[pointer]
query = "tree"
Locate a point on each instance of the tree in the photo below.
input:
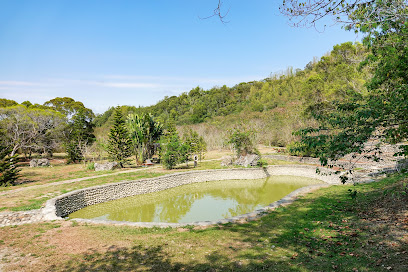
(8, 167)
(7, 103)
(154, 130)
(30, 128)
(173, 150)
(69, 107)
(119, 144)
(26, 103)
(79, 136)
(361, 123)
(242, 142)
(353, 13)
(136, 130)
(144, 131)
(195, 143)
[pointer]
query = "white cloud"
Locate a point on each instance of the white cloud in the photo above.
(18, 83)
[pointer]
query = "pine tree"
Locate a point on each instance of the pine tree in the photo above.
(8, 168)
(119, 144)
(80, 135)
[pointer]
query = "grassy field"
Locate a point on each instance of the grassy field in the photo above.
(331, 229)
(40, 184)
(34, 195)
(326, 230)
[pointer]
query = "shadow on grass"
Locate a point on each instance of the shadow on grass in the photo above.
(328, 232)
(154, 258)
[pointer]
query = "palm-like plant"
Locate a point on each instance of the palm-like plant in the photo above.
(144, 132)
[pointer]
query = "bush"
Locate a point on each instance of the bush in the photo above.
(242, 141)
(174, 152)
(262, 163)
(300, 149)
(90, 166)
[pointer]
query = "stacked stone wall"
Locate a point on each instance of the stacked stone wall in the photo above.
(65, 204)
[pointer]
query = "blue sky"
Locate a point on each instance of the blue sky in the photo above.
(116, 52)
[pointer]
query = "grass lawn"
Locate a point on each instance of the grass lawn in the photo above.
(326, 230)
(29, 196)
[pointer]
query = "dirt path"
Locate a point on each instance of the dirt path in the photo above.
(81, 179)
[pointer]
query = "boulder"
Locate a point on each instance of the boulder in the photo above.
(226, 161)
(402, 165)
(105, 166)
(39, 162)
(248, 160)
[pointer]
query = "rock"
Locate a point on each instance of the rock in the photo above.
(402, 165)
(226, 161)
(39, 162)
(248, 160)
(105, 166)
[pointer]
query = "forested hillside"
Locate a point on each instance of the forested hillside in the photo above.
(273, 107)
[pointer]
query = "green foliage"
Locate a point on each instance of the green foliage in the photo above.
(7, 103)
(106, 118)
(8, 167)
(379, 116)
(299, 149)
(173, 150)
(242, 142)
(69, 107)
(79, 136)
(352, 193)
(119, 144)
(262, 163)
(44, 128)
(143, 132)
(195, 143)
(30, 129)
(90, 166)
(397, 192)
(272, 106)
(27, 104)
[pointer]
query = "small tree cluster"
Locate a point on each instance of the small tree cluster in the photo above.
(30, 129)
(61, 123)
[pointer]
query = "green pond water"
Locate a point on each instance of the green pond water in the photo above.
(203, 201)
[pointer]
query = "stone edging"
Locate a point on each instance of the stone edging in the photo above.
(288, 199)
(61, 206)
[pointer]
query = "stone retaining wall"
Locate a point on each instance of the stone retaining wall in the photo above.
(63, 205)
(19, 218)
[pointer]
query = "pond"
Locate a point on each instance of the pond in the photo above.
(204, 201)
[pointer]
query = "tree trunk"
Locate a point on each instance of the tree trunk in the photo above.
(13, 152)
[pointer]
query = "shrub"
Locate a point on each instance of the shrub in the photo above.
(262, 163)
(90, 166)
(242, 141)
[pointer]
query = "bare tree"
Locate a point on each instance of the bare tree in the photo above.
(355, 14)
